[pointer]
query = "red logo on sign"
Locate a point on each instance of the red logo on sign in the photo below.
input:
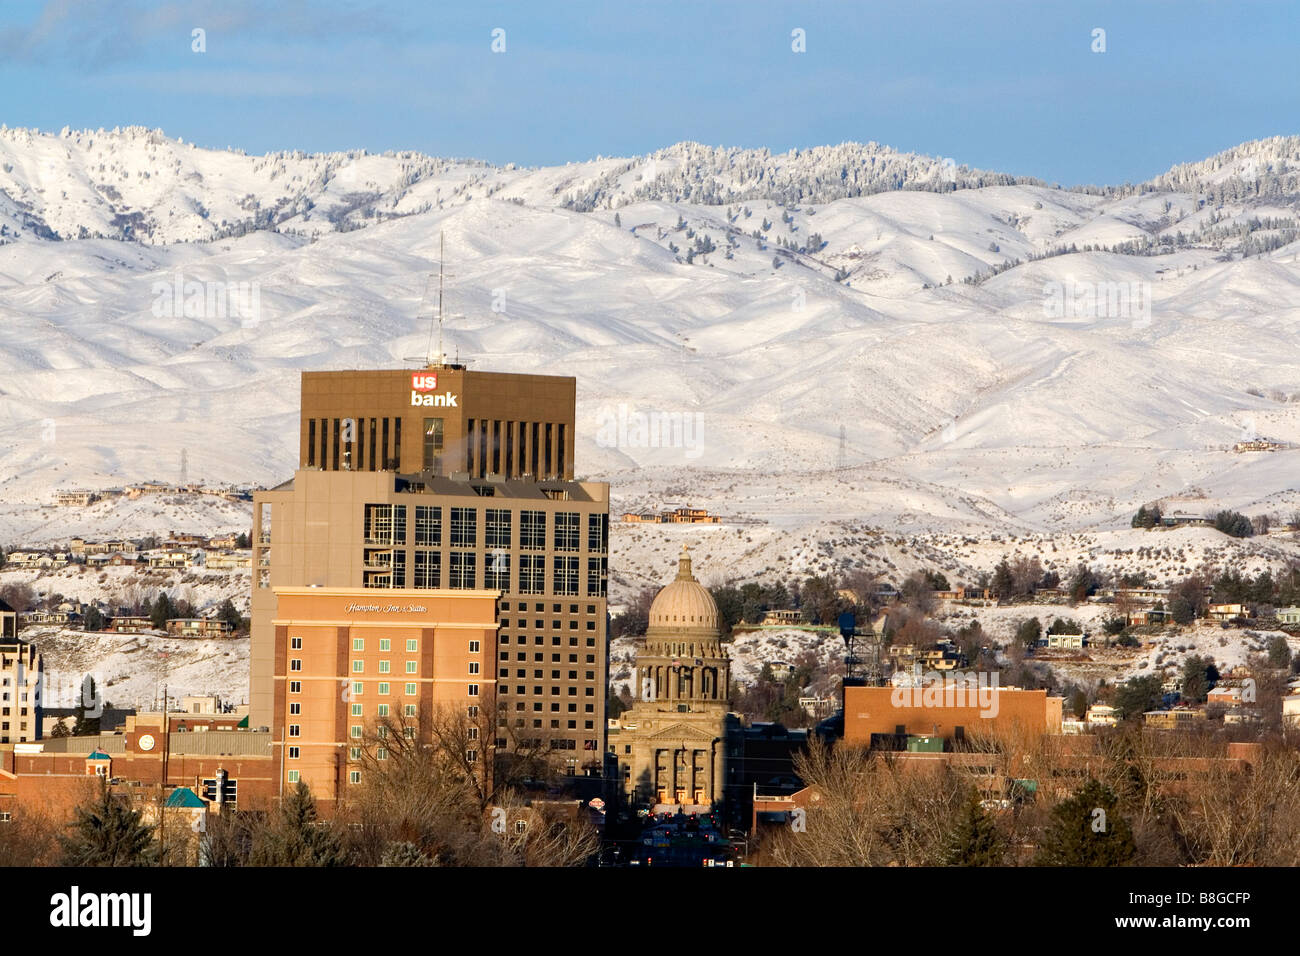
(424, 381)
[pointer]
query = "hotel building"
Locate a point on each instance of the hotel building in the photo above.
(449, 490)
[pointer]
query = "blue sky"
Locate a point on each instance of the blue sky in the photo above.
(1012, 86)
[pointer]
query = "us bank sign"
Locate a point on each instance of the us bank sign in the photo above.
(423, 386)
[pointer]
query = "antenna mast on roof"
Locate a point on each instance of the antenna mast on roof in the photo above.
(429, 354)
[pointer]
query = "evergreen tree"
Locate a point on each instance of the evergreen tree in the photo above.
(1138, 695)
(1088, 830)
(298, 839)
(230, 614)
(161, 610)
(107, 832)
(1004, 583)
(1279, 654)
(974, 839)
(93, 620)
(89, 699)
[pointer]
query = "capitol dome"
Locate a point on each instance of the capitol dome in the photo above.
(685, 604)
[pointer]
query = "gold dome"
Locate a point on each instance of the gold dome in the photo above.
(684, 604)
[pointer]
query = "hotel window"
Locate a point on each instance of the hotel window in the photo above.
(474, 647)
(566, 531)
(295, 753)
(356, 731)
(473, 690)
(412, 645)
(428, 569)
(473, 667)
(381, 732)
(566, 575)
(358, 643)
(473, 709)
(410, 690)
(311, 443)
(532, 572)
(293, 776)
(428, 525)
(408, 710)
(295, 665)
(381, 753)
(385, 644)
(295, 687)
(354, 776)
(358, 667)
(472, 733)
(357, 687)
(384, 667)
(597, 532)
(295, 643)
(463, 570)
(379, 524)
(294, 730)
(356, 710)
(496, 571)
(547, 469)
(354, 753)
(596, 577)
(383, 710)
(433, 445)
(295, 709)
(471, 756)
(383, 689)
(532, 530)
(399, 568)
(497, 528)
(408, 733)
(464, 527)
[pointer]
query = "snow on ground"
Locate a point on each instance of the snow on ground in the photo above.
(131, 669)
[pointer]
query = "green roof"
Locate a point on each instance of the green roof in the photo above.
(243, 724)
(98, 755)
(184, 797)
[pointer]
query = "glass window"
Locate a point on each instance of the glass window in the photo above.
(356, 710)
(412, 644)
(410, 667)
(532, 572)
(410, 690)
(566, 575)
(358, 643)
(598, 532)
(428, 569)
(383, 689)
(532, 530)
(433, 445)
(496, 574)
(497, 531)
(566, 531)
(385, 644)
(384, 667)
(596, 580)
(463, 570)
(464, 528)
(428, 525)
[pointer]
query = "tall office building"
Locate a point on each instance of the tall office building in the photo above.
(416, 482)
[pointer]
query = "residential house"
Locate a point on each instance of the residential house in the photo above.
(1227, 612)
(198, 627)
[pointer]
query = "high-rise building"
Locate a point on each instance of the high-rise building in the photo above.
(439, 483)
(21, 672)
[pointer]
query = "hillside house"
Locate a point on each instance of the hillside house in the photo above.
(198, 627)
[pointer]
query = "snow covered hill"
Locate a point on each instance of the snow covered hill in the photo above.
(1001, 354)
